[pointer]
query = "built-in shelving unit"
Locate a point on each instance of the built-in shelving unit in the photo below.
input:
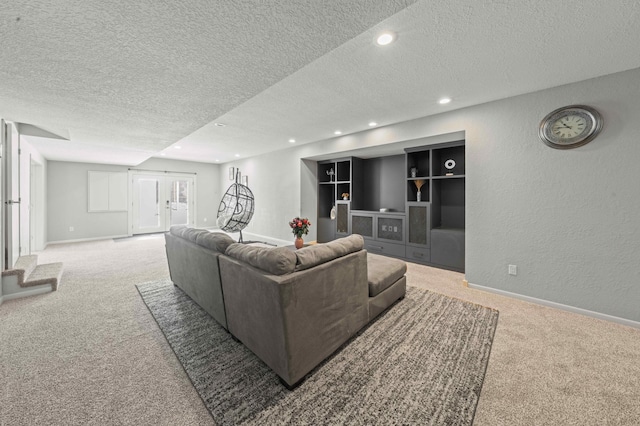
(435, 224)
(386, 208)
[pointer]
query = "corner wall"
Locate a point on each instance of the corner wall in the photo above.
(566, 218)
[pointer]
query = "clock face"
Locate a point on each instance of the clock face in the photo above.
(570, 127)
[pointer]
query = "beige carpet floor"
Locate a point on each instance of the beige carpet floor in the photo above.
(91, 353)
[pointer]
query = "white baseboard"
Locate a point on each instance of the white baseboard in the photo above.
(81, 240)
(560, 306)
(26, 293)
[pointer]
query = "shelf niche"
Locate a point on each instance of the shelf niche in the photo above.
(412, 190)
(440, 156)
(382, 185)
(420, 161)
(448, 204)
(323, 168)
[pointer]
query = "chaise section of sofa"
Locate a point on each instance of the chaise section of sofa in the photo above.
(387, 282)
(294, 309)
(193, 256)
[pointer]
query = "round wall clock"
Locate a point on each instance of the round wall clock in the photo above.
(570, 127)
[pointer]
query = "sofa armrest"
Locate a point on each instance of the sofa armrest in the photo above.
(195, 270)
(293, 322)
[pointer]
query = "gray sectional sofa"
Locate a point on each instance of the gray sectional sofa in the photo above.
(292, 308)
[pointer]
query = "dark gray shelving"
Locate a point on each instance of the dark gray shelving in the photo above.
(429, 231)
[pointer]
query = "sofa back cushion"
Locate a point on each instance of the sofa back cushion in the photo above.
(177, 230)
(185, 232)
(310, 256)
(276, 261)
(214, 241)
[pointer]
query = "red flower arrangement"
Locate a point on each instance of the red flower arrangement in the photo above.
(300, 227)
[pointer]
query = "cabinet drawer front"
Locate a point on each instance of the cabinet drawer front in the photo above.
(419, 254)
(379, 247)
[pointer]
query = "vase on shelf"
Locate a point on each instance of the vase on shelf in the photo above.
(299, 242)
(345, 198)
(418, 183)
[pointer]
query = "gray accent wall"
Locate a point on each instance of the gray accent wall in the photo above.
(67, 198)
(567, 218)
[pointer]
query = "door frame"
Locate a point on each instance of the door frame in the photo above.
(166, 173)
(11, 225)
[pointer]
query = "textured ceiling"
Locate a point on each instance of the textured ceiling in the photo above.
(133, 79)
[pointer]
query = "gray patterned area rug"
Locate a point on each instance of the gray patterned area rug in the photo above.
(421, 362)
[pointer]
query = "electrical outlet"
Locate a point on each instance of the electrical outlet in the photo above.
(513, 270)
(71, 229)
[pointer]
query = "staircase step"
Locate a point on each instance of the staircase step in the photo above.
(27, 263)
(47, 273)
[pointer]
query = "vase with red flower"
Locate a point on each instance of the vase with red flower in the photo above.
(299, 227)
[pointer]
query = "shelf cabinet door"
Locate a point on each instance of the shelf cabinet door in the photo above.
(342, 218)
(362, 223)
(390, 228)
(447, 248)
(419, 215)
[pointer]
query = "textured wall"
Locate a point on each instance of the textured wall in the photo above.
(67, 201)
(68, 192)
(567, 219)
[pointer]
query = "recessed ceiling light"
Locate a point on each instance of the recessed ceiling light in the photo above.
(372, 123)
(163, 153)
(219, 124)
(337, 132)
(385, 38)
(444, 101)
(292, 141)
(177, 147)
(217, 160)
(237, 155)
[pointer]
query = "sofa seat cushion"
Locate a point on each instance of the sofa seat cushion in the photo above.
(313, 255)
(276, 261)
(214, 241)
(382, 272)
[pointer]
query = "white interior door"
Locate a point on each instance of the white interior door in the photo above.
(160, 201)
